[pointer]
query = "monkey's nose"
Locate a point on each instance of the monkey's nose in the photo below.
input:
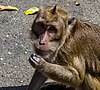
(41, 43)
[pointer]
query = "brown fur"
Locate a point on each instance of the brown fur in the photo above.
(84, 41)
(77, 55)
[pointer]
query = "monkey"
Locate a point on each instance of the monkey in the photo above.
(67, 49)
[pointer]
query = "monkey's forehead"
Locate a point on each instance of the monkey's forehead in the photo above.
(59, 10)
(46, 13)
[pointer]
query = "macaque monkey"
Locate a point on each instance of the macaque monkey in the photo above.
(67, 50)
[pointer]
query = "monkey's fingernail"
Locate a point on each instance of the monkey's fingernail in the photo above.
(37, 59)
(34, 54)
(34, 58)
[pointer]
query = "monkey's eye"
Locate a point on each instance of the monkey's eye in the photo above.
(39, 28)
(51, 29)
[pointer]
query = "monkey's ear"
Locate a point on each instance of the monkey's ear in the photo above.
(53, 11)
(71, 23)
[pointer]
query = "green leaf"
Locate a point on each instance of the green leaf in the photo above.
(32, 10)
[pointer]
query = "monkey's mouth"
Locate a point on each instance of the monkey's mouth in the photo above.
(42, 51)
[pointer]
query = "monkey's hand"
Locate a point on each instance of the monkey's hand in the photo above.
(36, 61)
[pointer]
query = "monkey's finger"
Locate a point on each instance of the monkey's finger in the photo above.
(36, 58)
(32, 62)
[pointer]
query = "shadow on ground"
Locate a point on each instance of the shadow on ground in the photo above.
(14, 88)
(47, 86)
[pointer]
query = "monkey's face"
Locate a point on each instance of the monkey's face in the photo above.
(48, 30)
(47, 37)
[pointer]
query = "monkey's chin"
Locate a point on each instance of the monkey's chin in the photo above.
(44, 53)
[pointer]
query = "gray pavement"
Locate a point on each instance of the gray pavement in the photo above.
(15, 45)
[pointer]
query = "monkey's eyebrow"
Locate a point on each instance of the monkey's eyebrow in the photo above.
(52, 28)
(49, 26)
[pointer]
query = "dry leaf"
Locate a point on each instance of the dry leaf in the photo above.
(77, 3)
(32, 10)
(8, 8)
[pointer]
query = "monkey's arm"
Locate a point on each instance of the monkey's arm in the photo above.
(72, 75)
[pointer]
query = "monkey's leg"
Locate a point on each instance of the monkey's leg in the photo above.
(37, 81)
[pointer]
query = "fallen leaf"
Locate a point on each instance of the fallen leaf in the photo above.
(77, 3)
(32, 10)
(7, 8)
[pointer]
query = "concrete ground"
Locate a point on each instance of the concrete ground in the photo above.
(15, 45)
